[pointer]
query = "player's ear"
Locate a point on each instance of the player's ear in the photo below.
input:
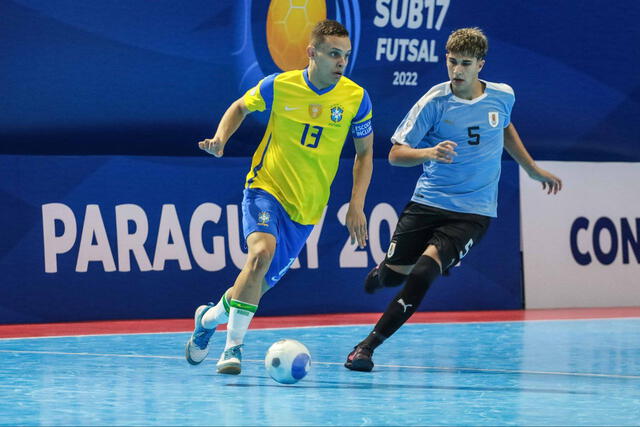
(311, 51)
(480, 64)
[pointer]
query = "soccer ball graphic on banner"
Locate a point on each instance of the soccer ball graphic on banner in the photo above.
(287, 361)
(289, 24)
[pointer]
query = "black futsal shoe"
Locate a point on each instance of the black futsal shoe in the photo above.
(360, 359)
(372, 282)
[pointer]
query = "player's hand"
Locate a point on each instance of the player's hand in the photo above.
(550, 182)
(356, 223)
(212, 146)
(444, 152)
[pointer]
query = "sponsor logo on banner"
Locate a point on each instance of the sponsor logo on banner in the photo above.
(605, 240)
(578, 254)
(288, 31)
(408, 33)
(118, 244)
(281, 31)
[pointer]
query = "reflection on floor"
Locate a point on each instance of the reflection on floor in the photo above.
(532, 372)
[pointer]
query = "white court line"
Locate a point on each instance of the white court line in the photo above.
(328, 326)
(63, 353)
(426, 368)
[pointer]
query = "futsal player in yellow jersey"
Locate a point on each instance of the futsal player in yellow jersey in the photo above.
(312, 112)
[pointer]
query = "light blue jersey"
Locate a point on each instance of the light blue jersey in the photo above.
(470, 183)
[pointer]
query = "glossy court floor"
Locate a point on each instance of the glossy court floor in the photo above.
(562, 371)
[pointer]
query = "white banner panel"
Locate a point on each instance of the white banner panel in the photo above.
(582, 246)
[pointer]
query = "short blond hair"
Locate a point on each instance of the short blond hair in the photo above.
(468, 41)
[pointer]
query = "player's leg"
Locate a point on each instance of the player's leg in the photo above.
(406, 302)
(411, 236)
(450, 241)
(271, 253)
(408, 242)
(206, 319)
(258, 209)
(399, 310)
(219, 314)
(386, 275)
(245, 296)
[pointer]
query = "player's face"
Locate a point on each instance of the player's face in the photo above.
(329, 60)
(463, 72)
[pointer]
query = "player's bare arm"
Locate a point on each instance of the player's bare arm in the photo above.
(230, 122)
(406, 156)
(356, 220)
(514, 146)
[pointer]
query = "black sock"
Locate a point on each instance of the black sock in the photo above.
(406, 302)
(389, 278)
(373, 340)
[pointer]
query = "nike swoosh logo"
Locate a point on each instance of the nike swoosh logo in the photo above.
(287, 108)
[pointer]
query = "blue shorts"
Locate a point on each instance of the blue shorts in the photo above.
(262, 212)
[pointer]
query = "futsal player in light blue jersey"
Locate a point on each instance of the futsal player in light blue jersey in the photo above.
(457, 131)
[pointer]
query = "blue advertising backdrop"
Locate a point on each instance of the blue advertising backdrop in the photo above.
(169, 203)
(150, 78)
(102, 103)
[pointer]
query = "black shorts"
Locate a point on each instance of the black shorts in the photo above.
(419, 226)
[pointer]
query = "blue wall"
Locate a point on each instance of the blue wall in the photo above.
(150, 78)
(490, 278)
(120, 91)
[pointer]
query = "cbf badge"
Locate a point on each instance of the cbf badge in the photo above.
(264, 218)
(336, 113)
(315, 110)
(493, 118)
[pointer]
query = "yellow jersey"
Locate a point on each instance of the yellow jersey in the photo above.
(299, 154)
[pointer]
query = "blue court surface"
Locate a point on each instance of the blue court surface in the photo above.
(559, 372)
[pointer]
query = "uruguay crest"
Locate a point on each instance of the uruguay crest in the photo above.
(264, 218)
(315, 110)
(336, 113)
(493, 118)
(391, 250)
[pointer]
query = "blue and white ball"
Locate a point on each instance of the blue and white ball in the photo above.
(287, 361)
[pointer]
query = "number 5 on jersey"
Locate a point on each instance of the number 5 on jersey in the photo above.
(313, 136)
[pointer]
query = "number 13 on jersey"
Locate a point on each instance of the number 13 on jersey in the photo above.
(311, 134)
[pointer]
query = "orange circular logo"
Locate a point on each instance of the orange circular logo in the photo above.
(289, 25)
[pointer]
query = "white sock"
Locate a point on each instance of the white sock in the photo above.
(240, 317)
(218, 314)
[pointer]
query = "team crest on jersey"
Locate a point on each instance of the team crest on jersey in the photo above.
(336, 113)
(315, 110)
(391, 250)
(264, 218)
(493, 118)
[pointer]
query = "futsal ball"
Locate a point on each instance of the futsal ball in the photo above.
(289, 25)
(287, 361)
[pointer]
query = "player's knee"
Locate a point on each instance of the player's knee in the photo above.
(420, 279)
(426, 268)
(259, 259)
(389, 278)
